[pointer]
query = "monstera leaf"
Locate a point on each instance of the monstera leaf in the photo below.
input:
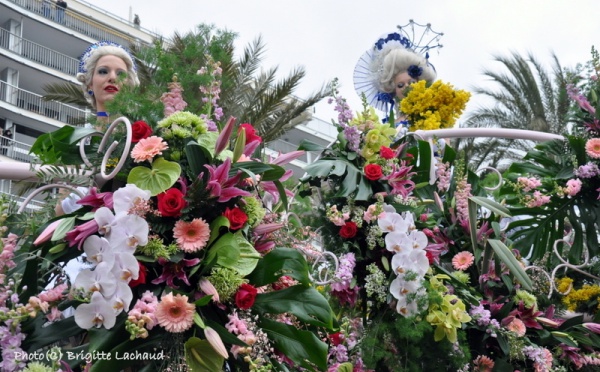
(352, 181)
(537, 229)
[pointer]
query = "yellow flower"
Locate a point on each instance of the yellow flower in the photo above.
(433, 107)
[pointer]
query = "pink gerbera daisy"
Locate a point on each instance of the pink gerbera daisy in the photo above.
(517, 327)
(483, 364)
(175, 313)
(462, 260)
(148, 148)
(191, 236)
(592, 148)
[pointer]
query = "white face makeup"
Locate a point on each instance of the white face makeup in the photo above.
(401, 82)
(108, 77)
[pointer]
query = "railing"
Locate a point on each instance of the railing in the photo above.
(35, 103)
(75, 21)
(38, 53)
(31, 207)
(285, 147)
(15, 150)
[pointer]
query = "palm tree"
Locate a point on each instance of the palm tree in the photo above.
(528, 98)
(248, 93)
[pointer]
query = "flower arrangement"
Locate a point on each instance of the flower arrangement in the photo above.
(436, 263)
(433, 106)
(171, 263)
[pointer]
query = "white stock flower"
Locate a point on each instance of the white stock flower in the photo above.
(97, 313)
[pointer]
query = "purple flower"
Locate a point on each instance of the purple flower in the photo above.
(221, 185)
(81, 232)
(172, 271)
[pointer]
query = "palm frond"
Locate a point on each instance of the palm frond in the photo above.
(66, 93)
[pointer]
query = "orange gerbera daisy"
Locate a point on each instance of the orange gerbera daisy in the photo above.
(175, 313)
(191, 236)
(148, 148)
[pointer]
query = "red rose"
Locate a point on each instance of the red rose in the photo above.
(245, 296)
(348, 230)
(386, 153)
(141, 276)
(237, 218)
(250, 133)
(373, 172)
(140, 131)
(171, 202)
(336, 338)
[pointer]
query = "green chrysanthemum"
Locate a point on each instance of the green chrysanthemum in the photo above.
(254, 210)
(226, 282)
(182, 124)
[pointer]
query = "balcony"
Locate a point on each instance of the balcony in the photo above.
(34, 103)
(15, 150)
(76, 21)
(38, 53)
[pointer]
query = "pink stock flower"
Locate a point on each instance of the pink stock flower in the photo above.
(175, 313)
(148, 148)
(191, 236)
(173, 100)
(462, 260)
(573, 187)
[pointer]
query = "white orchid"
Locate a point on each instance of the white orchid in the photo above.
(126, 267)
(97, 249)
(122, 298)
(415, 261)
(97, 313)
(100, 279)
(391, 221)
(127, 197)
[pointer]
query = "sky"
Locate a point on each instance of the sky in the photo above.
(327, 37)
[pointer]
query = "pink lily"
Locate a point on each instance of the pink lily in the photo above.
(81, 232)
(97, 200)
(172, 271)
(209, 289)
(400, 181)
(220, 185)
(215, 341)
(224, 136)
(283, 159)
(47, 233)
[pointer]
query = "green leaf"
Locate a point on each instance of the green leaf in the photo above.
(197, 157)
(238, 148)
(307, 145)
(511, 262)
(215, 227)
(306, 303)
(277, 263)
(161, 177)
(233, 251)
(201, 357)
(65, 225)
(57, 147)
(493, 206)
(303, 347)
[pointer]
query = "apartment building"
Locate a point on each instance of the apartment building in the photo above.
(40, 43)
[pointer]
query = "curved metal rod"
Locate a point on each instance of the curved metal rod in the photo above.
(82, 150)
(564, 265)
(324, 277)
(111, 148)
(46, 187)
(500, 179)
(489, 132)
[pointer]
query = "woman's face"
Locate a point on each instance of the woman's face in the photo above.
(108, 77)
(401, 82)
